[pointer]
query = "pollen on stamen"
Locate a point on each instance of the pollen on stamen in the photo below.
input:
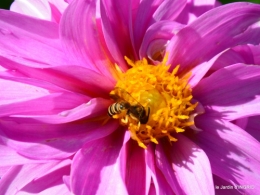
(160, 101)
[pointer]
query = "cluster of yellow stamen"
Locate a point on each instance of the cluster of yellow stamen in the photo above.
(165, 95)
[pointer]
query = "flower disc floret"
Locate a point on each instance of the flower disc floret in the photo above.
(160, 95)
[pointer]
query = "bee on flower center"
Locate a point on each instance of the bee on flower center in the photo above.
(126, 105)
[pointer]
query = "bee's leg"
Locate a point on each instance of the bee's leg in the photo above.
(139, 124)
(116, 116)
(125, 119)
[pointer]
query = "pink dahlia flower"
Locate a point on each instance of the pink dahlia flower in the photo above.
(181, 88)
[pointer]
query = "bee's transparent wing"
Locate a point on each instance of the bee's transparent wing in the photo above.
(124, 95)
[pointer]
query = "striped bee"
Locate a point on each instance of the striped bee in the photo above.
(135, 110)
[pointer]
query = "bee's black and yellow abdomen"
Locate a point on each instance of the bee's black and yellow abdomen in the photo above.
(117, 108)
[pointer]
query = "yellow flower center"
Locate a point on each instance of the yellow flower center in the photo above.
(152, 102)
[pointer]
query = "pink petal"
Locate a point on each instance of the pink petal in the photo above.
(238, 54)
(246, 53)
(19, 98)
(95, 168)
(30, 41)
(252, 127)
(185, 166)
(50, 10)
(169, 10)
(57, 9)
(223, 92)
(68, 1)
(242, 123)
(135, 168)
(34, 8)
(233, 153)
(4, 170)
(199, 71)
(66, 180)
(9, 157)
(160, 31)
(51, 183)
(11, 92)
(256, 53)
(42, 175)
(222, 185)
(94, 108)
(149, 12)
(232, 56)
(12, 75)
(72, 78)
(205, 4)
(161, 185)
(116, 29)
(220, 28)
(152, 190)
(81, 38)
(38, 140)
(57, 189)
(195, 8)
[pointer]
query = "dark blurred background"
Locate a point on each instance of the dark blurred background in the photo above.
(5, 4)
